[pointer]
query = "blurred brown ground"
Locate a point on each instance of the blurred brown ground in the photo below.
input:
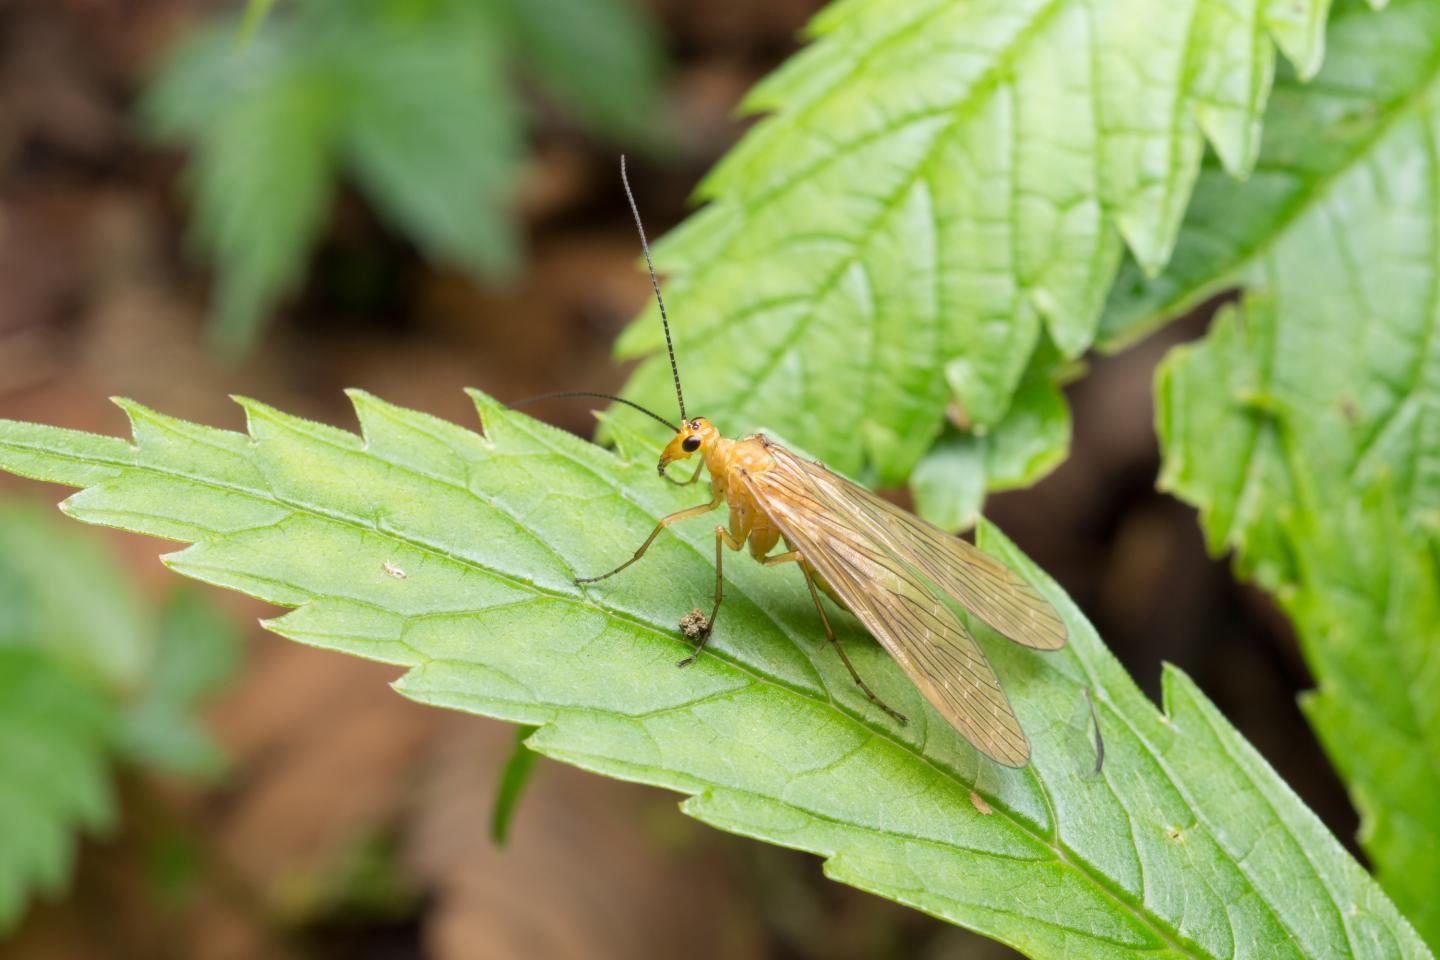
(355, 823)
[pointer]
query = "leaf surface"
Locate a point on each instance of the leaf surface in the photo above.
(939, 190)
(454, 555)
(1306, 426)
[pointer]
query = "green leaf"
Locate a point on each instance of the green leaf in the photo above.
(264, 120)
(431, 130)
(519, 767)
(1360, 114)
(54, 748)
(85, 674)
(940, 186)
(1278, 469)
(63, 595)
(600, 56)
(1306, 426)
(1187, 845)
(409, 96)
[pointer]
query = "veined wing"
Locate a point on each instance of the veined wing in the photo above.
(894, 602)
(971, 577)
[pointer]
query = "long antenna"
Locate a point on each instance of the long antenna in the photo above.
(591, 393)
(665, 321)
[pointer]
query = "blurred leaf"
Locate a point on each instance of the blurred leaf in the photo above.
(62, 593)
(513, 779)
(602, 57)
(196, 654)
(264, 119)
(432, 132)
(939, 186)
(255, 13)
(54, 729)
(1306, 426)
(411, 96)
(84, 673)
(1187, 845)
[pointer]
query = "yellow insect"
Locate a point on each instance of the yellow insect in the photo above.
(896, 573)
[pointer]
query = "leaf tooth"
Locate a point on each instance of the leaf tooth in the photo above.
(492, 414)
(1299, 31)
(261, 417)
(402, 436)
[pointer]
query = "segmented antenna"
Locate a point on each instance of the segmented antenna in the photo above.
(665, 321)
(591, 393)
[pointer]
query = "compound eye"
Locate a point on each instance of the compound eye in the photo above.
(690, 444)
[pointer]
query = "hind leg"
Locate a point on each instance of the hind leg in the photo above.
(794, 556)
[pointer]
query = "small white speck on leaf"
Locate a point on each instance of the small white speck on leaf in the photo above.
(394, 571)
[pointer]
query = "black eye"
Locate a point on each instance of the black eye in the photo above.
(690, 444)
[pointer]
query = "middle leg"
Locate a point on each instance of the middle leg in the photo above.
(723, 538)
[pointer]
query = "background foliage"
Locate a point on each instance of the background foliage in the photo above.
(88, 678)
(412, 99)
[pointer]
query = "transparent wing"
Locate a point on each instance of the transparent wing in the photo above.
(972, 578)
(833, 532)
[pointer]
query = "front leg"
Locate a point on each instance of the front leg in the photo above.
(685, 483)
(715, 501)
(723, 538)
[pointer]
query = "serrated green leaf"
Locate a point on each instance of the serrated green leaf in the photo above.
(939, 185)
(1257, 429)
(72, 644)
(1362, 113)
(1306, 426)
(1187, 845)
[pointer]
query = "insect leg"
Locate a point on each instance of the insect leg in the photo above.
(830, 634)
(723, 539)
(682, 515)
(693, 477)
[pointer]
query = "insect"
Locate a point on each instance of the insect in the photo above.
(896, 573)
